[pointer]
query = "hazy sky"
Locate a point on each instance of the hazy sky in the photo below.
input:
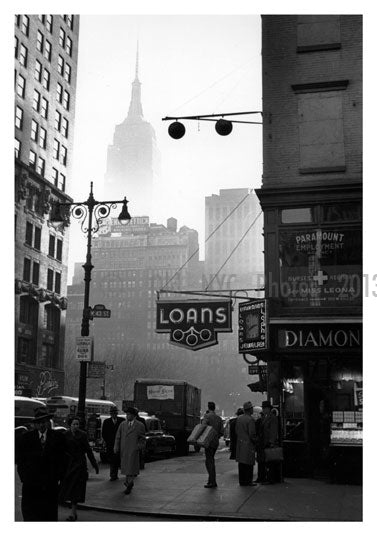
(188, 65)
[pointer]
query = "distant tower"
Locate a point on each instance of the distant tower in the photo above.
(133, 158)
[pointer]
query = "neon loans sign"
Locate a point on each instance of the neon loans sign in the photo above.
(194, 324)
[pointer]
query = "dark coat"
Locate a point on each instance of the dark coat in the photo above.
(211, 419)
(73, 487)
(109, 430)
(232, 437)
(246, 439)
(40, 470)
(269, 432)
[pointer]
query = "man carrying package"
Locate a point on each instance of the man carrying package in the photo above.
(214, 421)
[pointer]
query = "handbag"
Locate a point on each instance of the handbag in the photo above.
(273, 454)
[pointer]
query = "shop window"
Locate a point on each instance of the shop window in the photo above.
(342, 212)
(293, 404)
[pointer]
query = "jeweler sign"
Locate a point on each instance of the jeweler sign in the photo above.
(84, 348)
(194, 324)
(252, 326)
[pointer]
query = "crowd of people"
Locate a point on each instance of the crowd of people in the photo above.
(53, 465)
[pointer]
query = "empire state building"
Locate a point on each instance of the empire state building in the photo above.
(133, 158)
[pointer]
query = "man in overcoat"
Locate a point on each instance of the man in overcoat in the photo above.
(40, 465)
(269, 437)
(109, 429)
(129, 439)
(211, 419)
(246, 442)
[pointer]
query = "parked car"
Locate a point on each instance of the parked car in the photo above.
(158, 441)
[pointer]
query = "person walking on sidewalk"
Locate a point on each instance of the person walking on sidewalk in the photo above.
(129, 439)
(211, 419)
(40, 465)
(269, 437)
(246, 442)
(73, 487)
(109, 429)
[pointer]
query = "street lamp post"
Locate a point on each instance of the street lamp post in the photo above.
(91, 213)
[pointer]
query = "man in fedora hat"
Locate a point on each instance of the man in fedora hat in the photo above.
(129, 439)
(40, 465)
(109, 429)
(245, 449)
(269, 437)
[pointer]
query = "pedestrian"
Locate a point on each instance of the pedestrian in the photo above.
(233, 435)
(269, 438)
(73, 487)
(109, 430)
(142, 450)
(246, 442)
(129, 439)
(211, 419)
(40, 465)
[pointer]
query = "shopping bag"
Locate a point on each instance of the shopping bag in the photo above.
(206, 437)
(197, 431)
(273, 454)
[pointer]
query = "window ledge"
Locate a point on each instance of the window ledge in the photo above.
(324, 169)
(315, 87)
(318, 48)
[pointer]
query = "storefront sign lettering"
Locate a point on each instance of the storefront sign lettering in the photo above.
(47, 383)
(320, 338)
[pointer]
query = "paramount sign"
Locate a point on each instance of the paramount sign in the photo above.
(194, 324)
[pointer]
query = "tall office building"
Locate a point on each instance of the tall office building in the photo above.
(46, 50)
(312, 199)
(133, 160)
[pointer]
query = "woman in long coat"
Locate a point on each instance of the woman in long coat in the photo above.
(73, 486)
(245, 449)
(129, 440)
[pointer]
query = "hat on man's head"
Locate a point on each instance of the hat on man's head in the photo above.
(41, 414)
(239, 411)
(131, 410)
(248, 405)
(113, 409)
(266, 404)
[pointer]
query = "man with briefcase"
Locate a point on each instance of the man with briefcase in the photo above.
(270, 460)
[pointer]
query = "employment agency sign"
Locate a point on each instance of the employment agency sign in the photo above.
(194, 324)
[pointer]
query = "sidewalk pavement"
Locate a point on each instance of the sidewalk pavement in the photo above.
(173, 488)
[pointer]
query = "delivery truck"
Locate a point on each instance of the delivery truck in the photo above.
(176, 403)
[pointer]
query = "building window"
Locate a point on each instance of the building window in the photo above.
(60, 65)
(318, 32)
(55, 176)
(46, 79)
(67, 73)
(49, 22)
(38, 71)
(61, 184)
(17, 148)
(297, 215)
(23, 55)
(51, 246)
(58, 120)
(44, 108)
(50, 279)
(42, 137)
(47, 50)
(41, 166)
(32, 159)
(65, 125)
(62, 37)
(56, 149)
(34, 130)
(66, 100)
(37, 237)
(46, 359)
(29, 234)
(36, 100)
(68, 46)
(35, 273)
(69, 20)
(25, 25)
(63, 155)
(39, 41)
(58, 278)
(19, 117)
(27, 269)
(42, 18)
(59, 93)
(59, 249)
(17, 19)
(15, 47)
(21, 84)
(52, 318)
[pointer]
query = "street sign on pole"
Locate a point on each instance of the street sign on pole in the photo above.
(84, 348)
(97, 369)
(100, 311)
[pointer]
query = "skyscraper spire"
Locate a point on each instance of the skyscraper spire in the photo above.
(136, 110)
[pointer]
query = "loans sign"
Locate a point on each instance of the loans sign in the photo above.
(194, 324)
